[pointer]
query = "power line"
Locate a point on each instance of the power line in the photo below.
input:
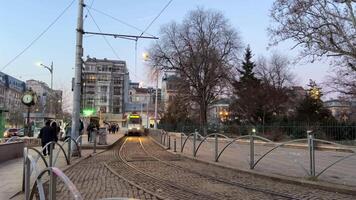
(120, 21)
(106, 40)
(38, 37)
(159, 14)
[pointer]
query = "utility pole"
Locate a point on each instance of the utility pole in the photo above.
(78, 76)
(156, 99)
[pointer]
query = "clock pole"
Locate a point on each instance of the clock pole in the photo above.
(28, 122)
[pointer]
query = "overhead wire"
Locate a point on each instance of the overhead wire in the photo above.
(38, 37)
(107, 42)
(159, 14)
(120, 21)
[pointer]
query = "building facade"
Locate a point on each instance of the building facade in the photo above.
(105, 87)
(169, 89)
(49, 103)
(342, 110)
(11, 107)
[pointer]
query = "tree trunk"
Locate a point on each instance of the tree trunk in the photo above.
(203, 118)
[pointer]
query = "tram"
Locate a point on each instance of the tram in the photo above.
(134, 125)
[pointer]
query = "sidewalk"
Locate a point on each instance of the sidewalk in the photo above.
(11, 171)
(288, 162)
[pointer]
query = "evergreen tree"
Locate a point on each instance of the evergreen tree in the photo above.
(311, 109)
(246, 72)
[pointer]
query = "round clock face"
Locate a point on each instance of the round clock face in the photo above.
(27, 98)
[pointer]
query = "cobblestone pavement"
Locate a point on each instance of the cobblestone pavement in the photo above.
(141, 169)
(233, 177)
(95, 181)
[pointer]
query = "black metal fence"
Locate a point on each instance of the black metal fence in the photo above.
(344, 133)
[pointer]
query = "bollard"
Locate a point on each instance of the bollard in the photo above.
(169, 142)
(194, 140)
(94, 135)
(174, 145)
(216, 147)
(311, 148)
(252, 151)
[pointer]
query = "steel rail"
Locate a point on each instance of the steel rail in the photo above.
(181, 188)
(217, 179)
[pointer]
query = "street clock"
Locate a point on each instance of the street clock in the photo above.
(28, 98)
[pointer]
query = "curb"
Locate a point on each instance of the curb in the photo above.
(297, 181)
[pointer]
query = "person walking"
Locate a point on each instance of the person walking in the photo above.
(56, 131)
(90, 129)
(46, 135)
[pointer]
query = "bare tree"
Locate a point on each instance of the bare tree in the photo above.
(201, 51)
(343, 81)
(321, 27)
(275, 71)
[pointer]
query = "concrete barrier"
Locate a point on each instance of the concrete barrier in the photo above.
(11, 151)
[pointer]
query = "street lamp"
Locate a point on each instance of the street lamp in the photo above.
(146, 57)
(50, 69)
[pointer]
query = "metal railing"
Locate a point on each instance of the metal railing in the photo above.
(30, 165)
(250, 139)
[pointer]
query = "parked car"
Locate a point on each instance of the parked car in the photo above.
(11, 132)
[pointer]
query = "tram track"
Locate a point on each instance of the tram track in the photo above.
(234, 183)
(156, 184)
(182, 190)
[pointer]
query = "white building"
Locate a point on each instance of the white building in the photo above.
(105, 88)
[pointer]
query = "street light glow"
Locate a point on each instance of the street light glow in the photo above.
(145, 56)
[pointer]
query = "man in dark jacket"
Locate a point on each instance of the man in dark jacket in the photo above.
(46, 135)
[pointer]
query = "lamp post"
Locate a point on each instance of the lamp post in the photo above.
(50, 69)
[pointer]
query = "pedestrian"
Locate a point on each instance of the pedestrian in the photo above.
(90, 129)
(46, 135)
(56, 130)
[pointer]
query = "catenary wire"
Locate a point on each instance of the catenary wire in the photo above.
(107, 42)
(120, 21)
(159, 14)
(38, 37)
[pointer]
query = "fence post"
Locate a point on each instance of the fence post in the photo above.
(27, 177)
(69, 148)
(94, 135)
(51, 155)
(252, 149)
(311, 148)
(52, 185)
(181, 142)
(194, 140)
(174, 145)
(169, 141)
(216, 147)
(24, 168)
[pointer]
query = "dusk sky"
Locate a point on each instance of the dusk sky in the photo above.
(23, 20)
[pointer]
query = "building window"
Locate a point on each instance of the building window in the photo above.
(103, 99)
(117, 90)
(104, 88)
